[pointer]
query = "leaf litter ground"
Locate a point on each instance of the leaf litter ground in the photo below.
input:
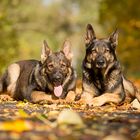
(71, 121)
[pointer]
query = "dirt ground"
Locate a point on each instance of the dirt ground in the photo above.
(68, 121)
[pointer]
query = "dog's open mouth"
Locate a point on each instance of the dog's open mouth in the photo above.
(58, 90)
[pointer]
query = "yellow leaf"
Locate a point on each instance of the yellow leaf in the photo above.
(21, 104)
(16, 126)
(22, 113)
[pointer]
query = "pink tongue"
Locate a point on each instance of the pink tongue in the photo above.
(58, 91)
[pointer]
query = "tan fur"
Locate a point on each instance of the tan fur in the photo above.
(129, 88)
(38, 96)
(87, 94)
(89, 89)
(68, 76)
(87, 97)
(13, 72)
(106, 98)
(42, 97)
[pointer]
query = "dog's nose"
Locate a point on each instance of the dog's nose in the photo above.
(57, 78)
(100, 62)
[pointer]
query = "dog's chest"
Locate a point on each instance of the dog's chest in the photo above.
(100, 81)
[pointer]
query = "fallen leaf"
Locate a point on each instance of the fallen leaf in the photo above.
(69, 117)
(22, 113)
(16, 126)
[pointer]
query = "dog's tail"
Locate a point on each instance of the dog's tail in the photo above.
(3, 82)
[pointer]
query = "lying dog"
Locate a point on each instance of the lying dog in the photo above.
(102, 74)
(53, 74)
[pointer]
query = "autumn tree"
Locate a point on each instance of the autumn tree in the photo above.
(8, 34)
(24, 24)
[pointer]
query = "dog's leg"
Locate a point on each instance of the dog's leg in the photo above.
(106, 98)
(70, 96)
(39, 96)
(13, 75)
(117, 96)
(88, 92)
(85, 97)
(43, 98)
(129, 87)
(9, 79)
(130, 90)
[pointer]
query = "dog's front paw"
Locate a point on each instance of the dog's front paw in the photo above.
(85, 98)
(96, 102)
(70, 96)
(45, 102)
(5, 97)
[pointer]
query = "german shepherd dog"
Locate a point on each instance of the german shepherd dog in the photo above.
(53, 74)
(102, 75)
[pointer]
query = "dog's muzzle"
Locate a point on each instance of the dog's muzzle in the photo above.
(100, 62)
(57, 79)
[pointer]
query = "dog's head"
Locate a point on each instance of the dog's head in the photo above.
(100, 52)
(56, 65)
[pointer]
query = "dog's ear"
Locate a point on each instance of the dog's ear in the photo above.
(45, 51)
(67, 49)
(113, 38)
(90, 34)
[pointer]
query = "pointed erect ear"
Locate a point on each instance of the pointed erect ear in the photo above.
(66, 49)
(90, 34)
(114, 38)
(45, 51)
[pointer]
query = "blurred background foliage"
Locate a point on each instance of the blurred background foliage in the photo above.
(24, 24)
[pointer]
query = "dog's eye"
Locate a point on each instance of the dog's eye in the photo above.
(107, 50)
(63, 66)
(50, 66)
(93, 51)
